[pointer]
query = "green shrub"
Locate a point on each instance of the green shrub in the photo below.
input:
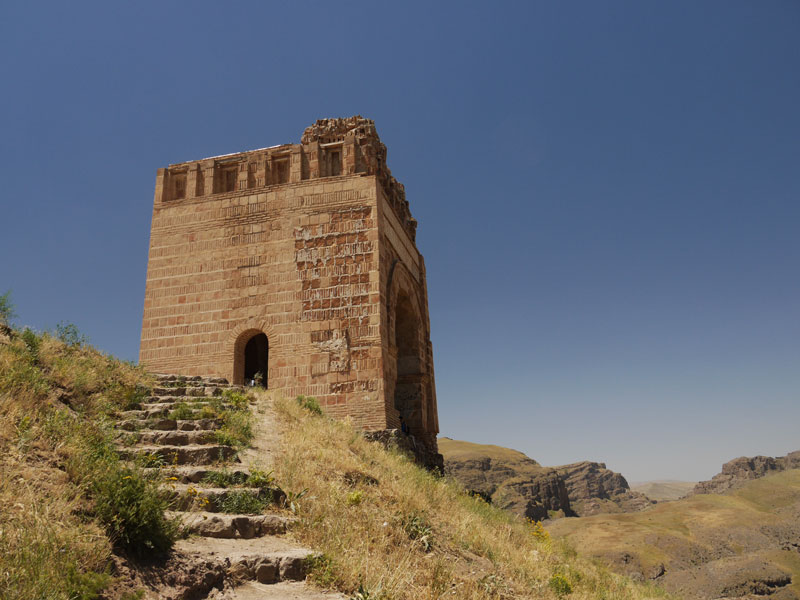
(321, 569)
(181, 412)
(69, 334)
(224, 479)
(236, 430)
(260, 479)
(132, 510)
(244, 502)
(237, 400)
(560, 585)
(126, 397)
(310, 403)
(85, 585)
(418, 529)
(32, 341)
(7, 313)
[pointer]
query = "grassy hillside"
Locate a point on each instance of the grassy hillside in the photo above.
(395, 531)
(386, 528)
(706, 545)
(67, 500)
(461, 450)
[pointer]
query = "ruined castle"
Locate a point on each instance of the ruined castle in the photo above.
(295, 266)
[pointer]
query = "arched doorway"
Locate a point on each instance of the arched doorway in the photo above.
(251, 358)
(408, 390)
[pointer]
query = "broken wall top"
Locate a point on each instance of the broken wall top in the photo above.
(338, 147)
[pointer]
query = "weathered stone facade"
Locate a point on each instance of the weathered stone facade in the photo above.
(296, 262)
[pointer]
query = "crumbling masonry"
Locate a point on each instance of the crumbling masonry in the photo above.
(296, 265)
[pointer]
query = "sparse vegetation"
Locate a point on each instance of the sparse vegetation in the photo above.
(310, 403)
(245, 502)
(7, 313)
(395, 531)
(256, 478)
(68, 497)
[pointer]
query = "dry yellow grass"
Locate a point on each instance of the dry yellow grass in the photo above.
(53, 397)
(393, 531)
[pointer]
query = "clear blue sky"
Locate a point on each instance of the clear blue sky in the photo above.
(607, 193)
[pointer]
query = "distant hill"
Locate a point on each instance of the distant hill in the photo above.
(741, 544)
(739, 471)
(664, 490)
(514, 481)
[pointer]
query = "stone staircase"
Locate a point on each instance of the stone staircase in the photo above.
(174, 434)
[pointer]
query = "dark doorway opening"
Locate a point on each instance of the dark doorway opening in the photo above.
(408, 390)
(256, 359)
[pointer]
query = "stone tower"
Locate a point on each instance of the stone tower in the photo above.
(296, 264)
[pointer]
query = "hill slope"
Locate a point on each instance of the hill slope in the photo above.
(666, 490)
(740, 545)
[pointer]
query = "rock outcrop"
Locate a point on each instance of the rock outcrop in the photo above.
(739, 471)
(594, 489)
(518, 483)
(507, 478)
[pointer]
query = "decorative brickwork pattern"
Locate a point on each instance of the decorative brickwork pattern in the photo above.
(311, 245)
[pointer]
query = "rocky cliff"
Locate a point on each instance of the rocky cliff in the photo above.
(512, 480)
(506, 478)
(594, 489)
(739, 471)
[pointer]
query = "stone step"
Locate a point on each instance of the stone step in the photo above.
(166, 424)
(218, 525)
(210, 499)
(140, 414)
(166, 377)
(198, 404)
(154, 411)
(172, 438)
(188, 392)
(182, 455)
(267, 559)
(196, 473)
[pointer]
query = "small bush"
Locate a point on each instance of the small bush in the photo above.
(7, 313)
(560, 585)
(181, 412)
(236, 429)
(418, 529)
(310, 403)
(238, 400)
(321, 569)
(125, 397)
(225, 479)
(132, 509)
(69, 334)
(355, 498)
(260, 479)
(538, 531)
(86, 585)
(32, 341)
(244, 502)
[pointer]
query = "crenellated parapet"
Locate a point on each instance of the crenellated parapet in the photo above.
(328, 148)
